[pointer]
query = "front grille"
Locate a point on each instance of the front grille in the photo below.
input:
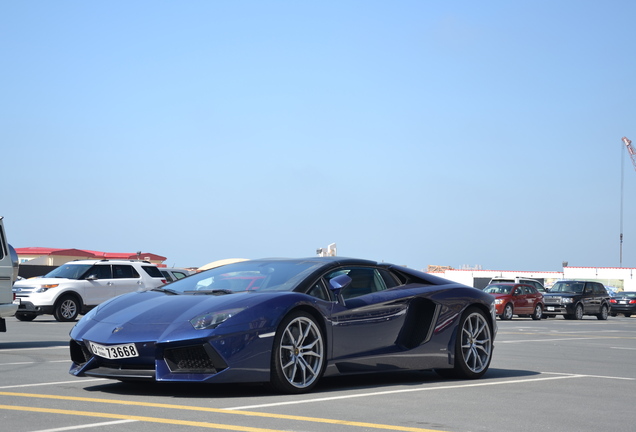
(194, 359)
(552, 299)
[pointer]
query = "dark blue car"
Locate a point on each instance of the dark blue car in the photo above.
(288, 322)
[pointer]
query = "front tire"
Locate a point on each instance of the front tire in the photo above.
(473, 346)
(507, 313)
(66, 308)
(578, 312)
(298, 356)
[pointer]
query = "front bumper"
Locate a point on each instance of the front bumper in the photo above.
(28, 307)
(558, 309)
(231, 359)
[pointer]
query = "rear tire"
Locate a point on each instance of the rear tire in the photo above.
(66, 308)
(538, 312)
(604, 313)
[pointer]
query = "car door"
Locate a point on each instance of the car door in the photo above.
(97, 284)
(126, 279)
(600, 294)
(365, 321)
(590, 300)
(520, 300)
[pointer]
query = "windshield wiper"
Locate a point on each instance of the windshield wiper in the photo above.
(214, 291)
(166, 290)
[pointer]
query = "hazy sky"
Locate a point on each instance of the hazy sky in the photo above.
(413, 132)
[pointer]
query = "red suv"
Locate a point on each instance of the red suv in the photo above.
(516, 299)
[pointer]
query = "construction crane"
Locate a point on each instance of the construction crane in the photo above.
(630, 150)
(632, 156)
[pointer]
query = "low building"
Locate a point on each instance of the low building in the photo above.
(614, 278)
(56, 257)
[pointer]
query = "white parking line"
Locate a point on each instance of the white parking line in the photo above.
(411, 390)
(549, 340)
(86, 426)
(76, 381)
(25, 363)
(35, 348)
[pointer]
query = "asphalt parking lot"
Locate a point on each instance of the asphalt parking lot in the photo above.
(551, 375)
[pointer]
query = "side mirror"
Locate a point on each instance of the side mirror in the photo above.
(337, 284)
(92, 277)
(340, 282)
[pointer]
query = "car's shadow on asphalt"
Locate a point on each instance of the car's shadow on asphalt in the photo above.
(376, 382)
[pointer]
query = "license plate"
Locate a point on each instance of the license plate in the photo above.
(623, 302)
(114, 351)
(550, 309)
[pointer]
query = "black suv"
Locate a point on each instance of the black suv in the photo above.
(573, 299)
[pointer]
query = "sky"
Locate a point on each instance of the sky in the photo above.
(454, 133)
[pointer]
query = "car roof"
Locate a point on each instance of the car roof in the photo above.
(508, 283)
(111, 261)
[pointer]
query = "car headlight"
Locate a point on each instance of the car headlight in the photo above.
(567, 300)
(211, 320)
(498, 301)
(43, 288)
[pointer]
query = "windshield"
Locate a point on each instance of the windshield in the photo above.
(569, 287)
(628, 294)
(271, 275)
(498, 289)
(69, 271)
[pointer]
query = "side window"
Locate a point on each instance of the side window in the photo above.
(100, 272)
(588, 288)
(121, 271)
(364, 280)
(167, 276)
(152, 271)
(3, 247)
(388, 279)
(319, 291)
(599, 289)
(179, 275)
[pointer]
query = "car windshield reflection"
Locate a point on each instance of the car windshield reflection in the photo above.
(246, 276)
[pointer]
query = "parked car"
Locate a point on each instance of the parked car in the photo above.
(173, 274)
(299, 320)
(623, 303)
(516, 299)
(8, 275)
(535, 283)
(573, 299)
(78, 286)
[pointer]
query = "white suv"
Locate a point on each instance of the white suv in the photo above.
(78, 286)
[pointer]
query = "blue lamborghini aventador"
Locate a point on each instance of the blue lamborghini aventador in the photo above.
(288, 322)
